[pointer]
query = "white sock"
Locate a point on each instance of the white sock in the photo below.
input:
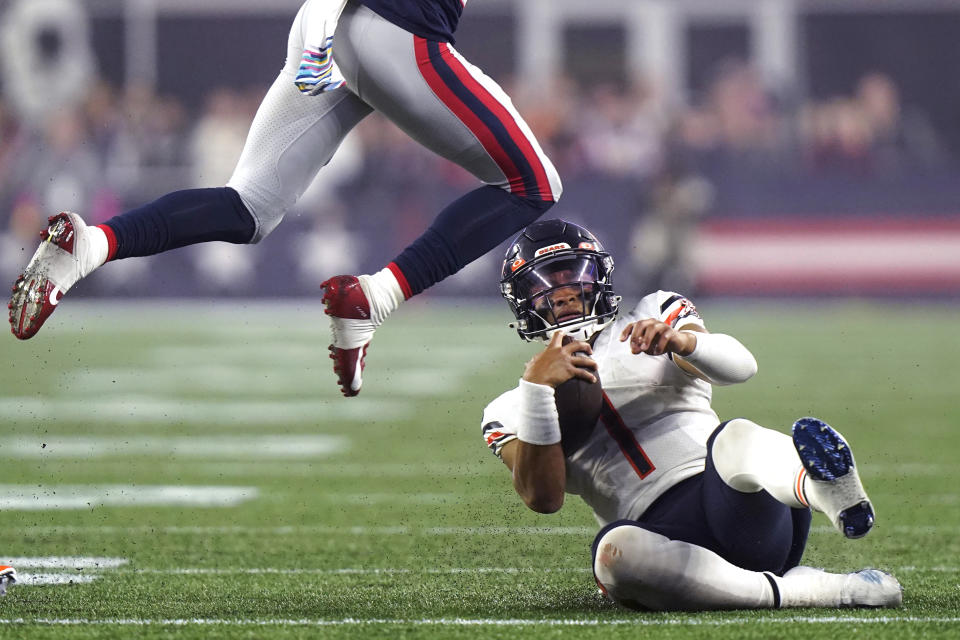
(96, 250)
(809, 587)
(639, 568)
(750, 458)
(383, 293)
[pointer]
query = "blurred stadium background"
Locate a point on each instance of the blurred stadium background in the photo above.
(743, 147)
(188, 464)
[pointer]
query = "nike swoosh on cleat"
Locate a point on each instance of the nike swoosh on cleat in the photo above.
(55, 296)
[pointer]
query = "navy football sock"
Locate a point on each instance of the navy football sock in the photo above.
(464, 231)
(182, 218)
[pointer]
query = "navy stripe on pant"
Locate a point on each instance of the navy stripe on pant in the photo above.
(490, 119)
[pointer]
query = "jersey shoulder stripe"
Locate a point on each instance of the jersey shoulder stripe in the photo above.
(669, 301)
(676, 308)
(496, 436)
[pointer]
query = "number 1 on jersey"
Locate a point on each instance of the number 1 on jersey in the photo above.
(624, 438)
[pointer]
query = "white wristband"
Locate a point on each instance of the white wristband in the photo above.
(539, 422)
(722, 358)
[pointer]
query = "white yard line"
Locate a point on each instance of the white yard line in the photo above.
(65, 569)
(330, 469)
(308, 529)
(65, 497)
(221, 446)
(37, 579)
(119, 565)
(484, 622)
(64, 562)
(523, 531)
(387, 571)
(72, 530)
(354, 572)
(252, 376)
(390, 498)
(127, 410)
(397, 530)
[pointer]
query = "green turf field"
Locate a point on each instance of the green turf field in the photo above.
(186, 472)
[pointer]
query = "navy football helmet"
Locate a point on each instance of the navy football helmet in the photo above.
(556, 275)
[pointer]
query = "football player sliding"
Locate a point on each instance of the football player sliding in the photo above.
(695, 513)
(345, 59)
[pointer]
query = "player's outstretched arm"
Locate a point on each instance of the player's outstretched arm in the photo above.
(715, 357)
(719, 359)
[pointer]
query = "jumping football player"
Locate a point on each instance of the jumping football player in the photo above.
(696, 513)
(345, 59)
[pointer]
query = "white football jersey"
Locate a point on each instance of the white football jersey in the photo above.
(653, 428)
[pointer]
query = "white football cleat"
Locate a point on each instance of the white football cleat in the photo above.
(811, 587)
(871, 588)
(64, 256)
(835, 486)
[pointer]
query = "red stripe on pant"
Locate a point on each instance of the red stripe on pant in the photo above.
(473, 122)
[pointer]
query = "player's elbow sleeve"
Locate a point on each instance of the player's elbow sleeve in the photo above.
(722, 359)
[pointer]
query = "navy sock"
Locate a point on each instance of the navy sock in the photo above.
(182, 218)
(464, 231)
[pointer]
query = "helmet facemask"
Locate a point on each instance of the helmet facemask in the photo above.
(569, 292)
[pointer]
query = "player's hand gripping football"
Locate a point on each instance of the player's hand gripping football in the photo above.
(560, 362)
(655, 338)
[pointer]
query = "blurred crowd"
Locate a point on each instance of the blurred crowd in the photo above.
(652, 167)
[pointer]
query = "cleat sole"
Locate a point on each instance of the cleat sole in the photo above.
(857, 520)
(824, 453)
(827, 458)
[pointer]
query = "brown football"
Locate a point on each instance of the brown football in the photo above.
(578, 404)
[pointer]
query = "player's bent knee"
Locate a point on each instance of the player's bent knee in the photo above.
(266, 211)
(540, 187)
(733, 443)
(556, 187)
(608, 563)
(629, 569)
(735, 433)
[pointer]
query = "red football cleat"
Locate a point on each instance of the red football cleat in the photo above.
(61, 259)
(352, 328)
